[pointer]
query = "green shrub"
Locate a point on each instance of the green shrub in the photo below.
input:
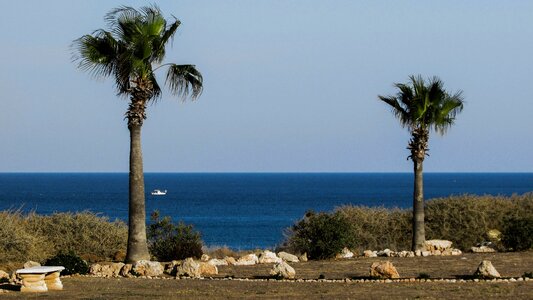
(168, 241)
(73, 264)
(518, 233)
(321, 235)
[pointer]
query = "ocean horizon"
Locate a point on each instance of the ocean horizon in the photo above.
(241, 210)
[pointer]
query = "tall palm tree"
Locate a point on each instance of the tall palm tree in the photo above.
(421, 106)
(131, 51)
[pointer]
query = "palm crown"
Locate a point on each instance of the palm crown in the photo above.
(133, 49)
(418, 105)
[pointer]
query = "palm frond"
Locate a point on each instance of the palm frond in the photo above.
(184, 79)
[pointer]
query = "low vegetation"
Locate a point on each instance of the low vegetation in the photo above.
(73, 263)
(170, 241)
(39, 237)
(464, 220)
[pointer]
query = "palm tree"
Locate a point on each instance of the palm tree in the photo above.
(131, 52)
(421, 106)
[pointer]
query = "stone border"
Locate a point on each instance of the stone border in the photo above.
(345, 280)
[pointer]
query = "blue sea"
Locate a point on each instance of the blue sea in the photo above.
(241, 210)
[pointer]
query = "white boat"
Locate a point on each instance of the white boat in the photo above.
(159, 192)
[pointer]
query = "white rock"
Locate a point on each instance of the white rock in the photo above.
(288, 257)
(418, 253)
(385, 253)
(482, 249)
(268, 257)
(218, 262)
(247, 260)
(283, 270)
(441, 245)
(147, 268)
(303, 257)
(190, 268)
(205, 257)
(456, 252)
(346, 253)
(426, 253)
(31, 264)
(369, 253)
(486, 270)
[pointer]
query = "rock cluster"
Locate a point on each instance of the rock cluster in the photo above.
(431, 247)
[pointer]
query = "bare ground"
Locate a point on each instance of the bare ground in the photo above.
(508, 264)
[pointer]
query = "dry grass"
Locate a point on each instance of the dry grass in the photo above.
(37, 237)
(464, 220)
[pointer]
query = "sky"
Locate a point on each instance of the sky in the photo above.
(289, 86)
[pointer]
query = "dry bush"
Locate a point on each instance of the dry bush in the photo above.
(465, 220)
(83, 233)
(18, 243)
(378, 227)
(37, 237)
(220, 252)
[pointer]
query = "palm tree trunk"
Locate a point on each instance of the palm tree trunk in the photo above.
(419, 233)
(137, 246)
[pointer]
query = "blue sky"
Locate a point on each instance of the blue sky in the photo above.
(289, 86)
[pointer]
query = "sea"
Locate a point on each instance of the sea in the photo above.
(241, 210)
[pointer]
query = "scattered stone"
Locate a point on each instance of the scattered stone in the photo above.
(418, 253)
(383, 269)
(147, 268)
(486, 270)
(303, 257)
(268, 257)
(436, 252)
(369, 253)
(230, 260)
(171, 267)
(105, 271)
(410, 254)
(346, 253)
(95, 269)
(456, 252)
(247, 260)
(441, 245)
(282, 270)
(30, 264)
(288, 257)
(3, 275)
(189, 268)
(205, 257)
(385, 253)
(208, 269)
(126, 270)
(115, 268)
(218, 262)
(426, 253)
(120, 255)
(482, 249)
